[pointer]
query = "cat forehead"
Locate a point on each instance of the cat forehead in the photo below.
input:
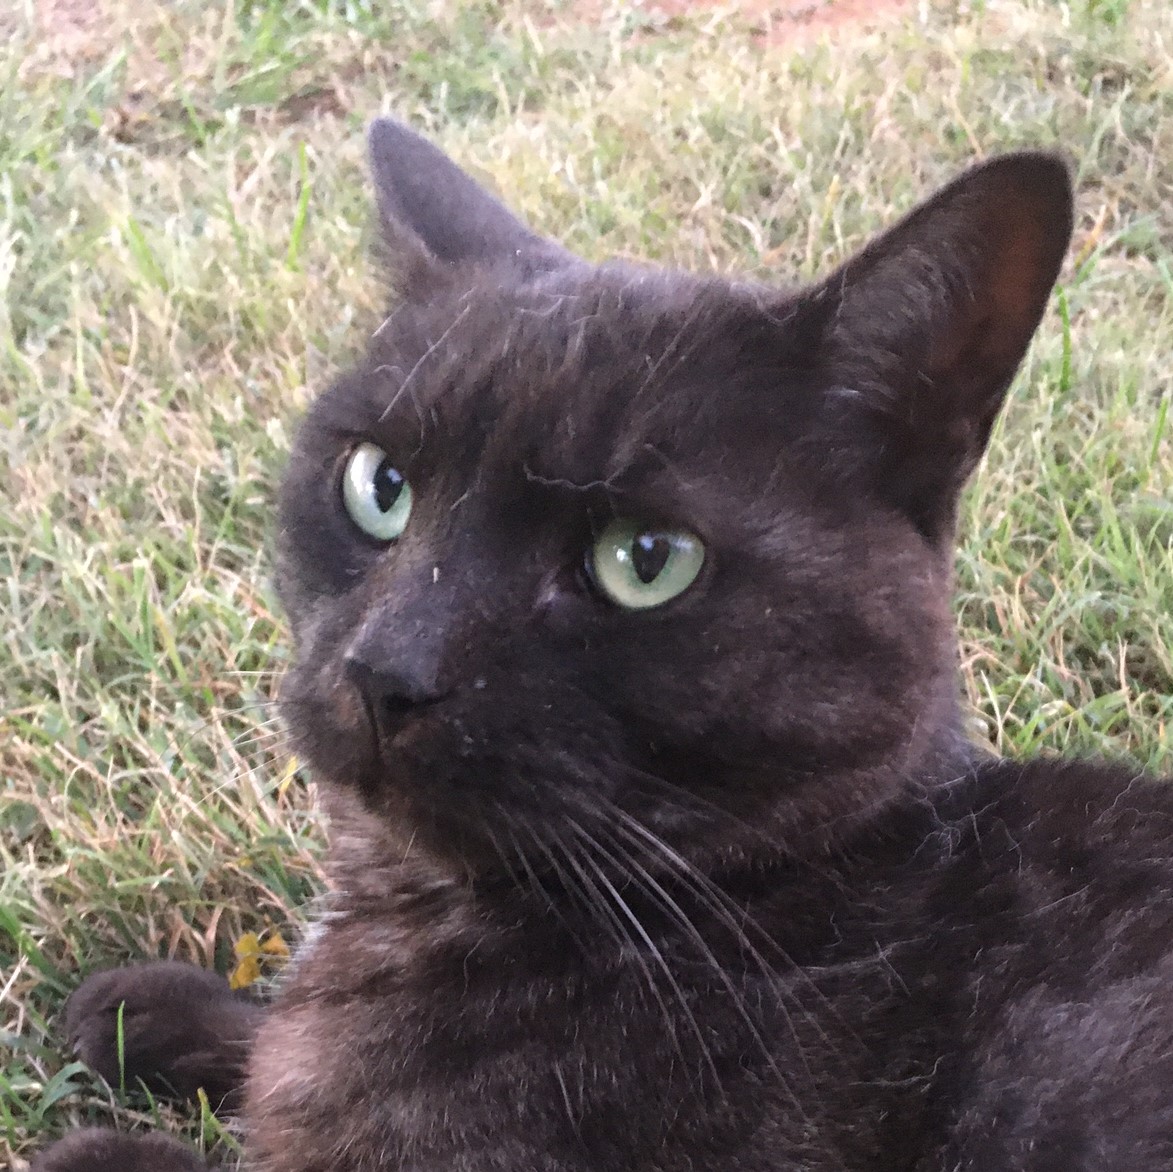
(614, 319)
(606, 361)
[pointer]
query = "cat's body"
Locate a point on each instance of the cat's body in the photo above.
(972, 984)
(621, 602)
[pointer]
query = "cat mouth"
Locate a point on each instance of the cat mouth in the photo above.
(394, 718)
(397, 726)
(411, 736)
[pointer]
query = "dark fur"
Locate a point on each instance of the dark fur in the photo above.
(96, 1150)
(183, 1030)
(718, 884)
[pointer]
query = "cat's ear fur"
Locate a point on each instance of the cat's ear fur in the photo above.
(435, 217)
(923, 330)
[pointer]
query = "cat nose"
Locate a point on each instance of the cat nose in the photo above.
(395, 689)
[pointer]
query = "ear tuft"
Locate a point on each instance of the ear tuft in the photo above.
(431, 210)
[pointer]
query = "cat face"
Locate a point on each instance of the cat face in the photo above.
(580, 550)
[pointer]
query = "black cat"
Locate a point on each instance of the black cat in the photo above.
(625, 660)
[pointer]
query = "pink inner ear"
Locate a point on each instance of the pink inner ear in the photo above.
(1022, 279)
(955, 290)
(929, 322)
(1010, 282)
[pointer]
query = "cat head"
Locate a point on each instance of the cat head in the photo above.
(582, 551)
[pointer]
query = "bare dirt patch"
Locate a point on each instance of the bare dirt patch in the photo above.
(775, 21)
(62, 34)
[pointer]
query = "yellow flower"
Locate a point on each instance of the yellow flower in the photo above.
(252, 954)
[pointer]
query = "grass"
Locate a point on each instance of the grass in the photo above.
(183, 220)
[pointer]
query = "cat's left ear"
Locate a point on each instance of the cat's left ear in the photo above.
(924, 329)
(437, 217)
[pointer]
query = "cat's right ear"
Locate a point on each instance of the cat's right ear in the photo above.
(435, 217)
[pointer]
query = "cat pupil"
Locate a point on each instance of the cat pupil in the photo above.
(649, 555)
(388, 485)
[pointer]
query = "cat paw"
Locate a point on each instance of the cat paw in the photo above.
(182, 1029)
(98, 1150)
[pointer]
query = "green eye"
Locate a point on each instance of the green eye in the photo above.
(638, 566)
(375, 493)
